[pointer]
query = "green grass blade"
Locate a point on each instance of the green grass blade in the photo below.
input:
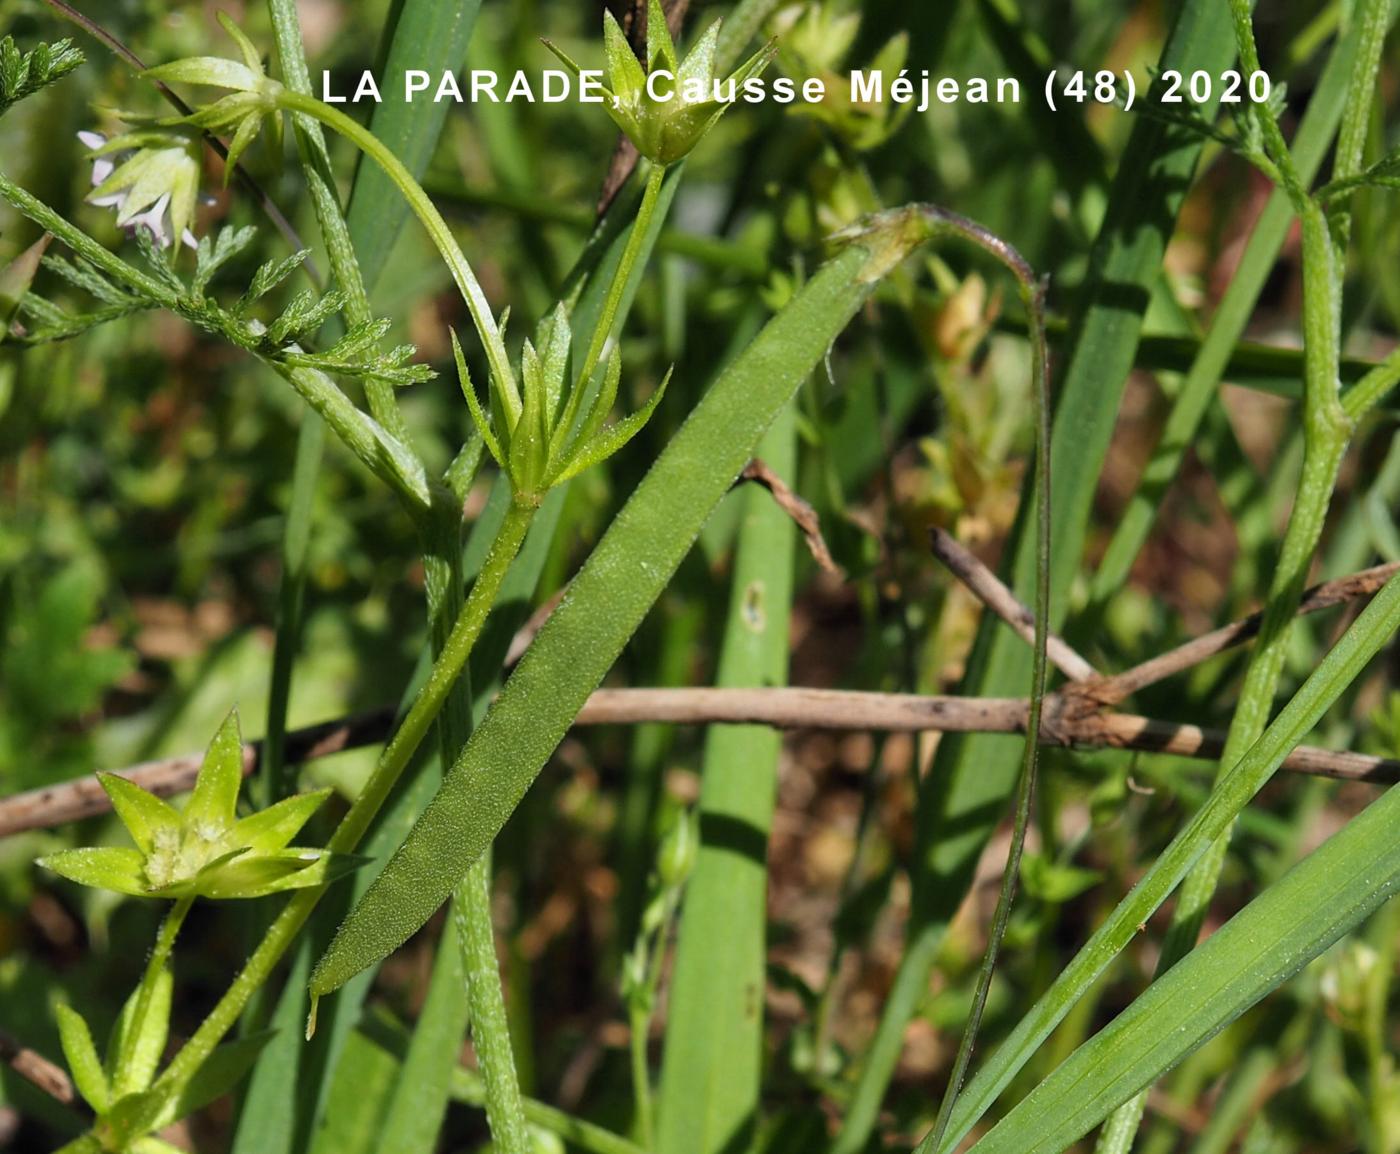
(972, 778)
(714, 1033)
(278, 779)
(1315, 134)
(1373, 629)
(608, 598)
(431, 35)
(415, 1111)
(365, 1076)
(1330, 892)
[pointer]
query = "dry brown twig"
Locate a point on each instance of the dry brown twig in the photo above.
(988, 588)
(1075, 716)
(801, 513)
(37, 1070)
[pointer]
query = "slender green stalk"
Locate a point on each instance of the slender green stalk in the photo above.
(1373, 20)
(1033, 298)
(1326, 430)
(277, 781)
(1363, 396)
(639, 1026)
(155, 966)
(278, 778)
(635, 242)
(320, 183)
(972, 779)
(427, 213)
(352, 828)
(1213, 358)
(429, 702)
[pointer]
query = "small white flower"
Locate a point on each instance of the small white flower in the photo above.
(150, 187)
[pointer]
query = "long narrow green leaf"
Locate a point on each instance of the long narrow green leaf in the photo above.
(969, 786)
(430, 36)
(1330, 892)
(714, 1032)
(1373, 629)
(607, 601)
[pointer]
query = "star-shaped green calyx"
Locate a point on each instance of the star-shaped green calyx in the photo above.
(206, 850)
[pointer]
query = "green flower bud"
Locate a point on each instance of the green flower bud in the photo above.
(675, 860)
(542, 435)
(242, 114)
(206, 850)
(667, 107)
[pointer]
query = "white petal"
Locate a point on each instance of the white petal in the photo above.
(153, 220)
(93, 140)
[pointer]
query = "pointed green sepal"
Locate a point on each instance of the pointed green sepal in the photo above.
(145, 816)
(272, 829)
(214, 71)
(136, 1075)
(610, 440)
(479, 418)
(213, 805)
(103, 867)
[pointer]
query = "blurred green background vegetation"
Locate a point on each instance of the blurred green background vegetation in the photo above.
(145, 472)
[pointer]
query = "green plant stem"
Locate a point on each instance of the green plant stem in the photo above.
(427, 213)
(1216, 356)
(471, 900)
(468, 1087)
(1373, 18)
(392, 762)
(639, 1023)
(320, 183)
(1326, 433)
(1363, 396)
(278, 778)
(471, 910)
(155, 966)
(1326, 430)
(642, 1005)
(429, 702)
(277, 781)
(635, 242)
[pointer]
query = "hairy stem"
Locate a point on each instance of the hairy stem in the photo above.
(316, 165)
(505, 1109)
(471, 901)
